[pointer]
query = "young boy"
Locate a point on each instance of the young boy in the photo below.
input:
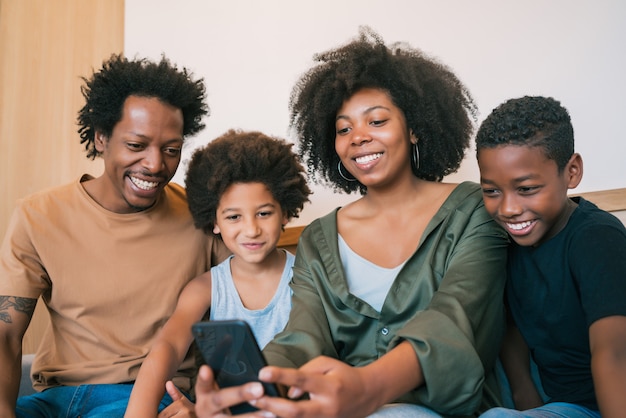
(566, 291)
(244, 187)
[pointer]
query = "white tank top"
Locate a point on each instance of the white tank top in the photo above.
(366, 280)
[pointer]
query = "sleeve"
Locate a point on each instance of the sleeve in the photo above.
(598, 263)
(21, 270)
(307, 334)
(457, 338)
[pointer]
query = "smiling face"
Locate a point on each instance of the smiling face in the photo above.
(250, 221)
(140, 157)
(372, 138)
(525, 193)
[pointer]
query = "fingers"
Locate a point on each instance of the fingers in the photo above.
(181, 407)
(214, 402)
(173, 391)
(309, 378)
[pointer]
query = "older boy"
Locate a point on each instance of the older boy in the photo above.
(567, 265)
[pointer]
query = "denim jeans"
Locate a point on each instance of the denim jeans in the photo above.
(549, 410)
(403, 410)
(84, 401)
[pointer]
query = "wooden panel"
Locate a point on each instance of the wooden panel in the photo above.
(609, 200)
(45, 47)
(289, 238)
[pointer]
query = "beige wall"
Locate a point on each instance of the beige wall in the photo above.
(45, 47)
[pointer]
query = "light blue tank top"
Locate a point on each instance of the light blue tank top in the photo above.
(266, 322)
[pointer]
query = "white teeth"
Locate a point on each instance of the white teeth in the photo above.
(367, 158)
(519, 226)
(144, 185)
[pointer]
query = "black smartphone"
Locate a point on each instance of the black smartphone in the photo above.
(231, 351)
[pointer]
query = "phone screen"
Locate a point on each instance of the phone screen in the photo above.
(230, 349)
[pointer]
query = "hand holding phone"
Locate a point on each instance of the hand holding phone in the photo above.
(230, 349)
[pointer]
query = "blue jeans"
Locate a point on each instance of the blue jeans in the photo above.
(404, 410)
(84, 401)
(549, 410)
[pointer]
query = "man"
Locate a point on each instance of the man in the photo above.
(109, 255)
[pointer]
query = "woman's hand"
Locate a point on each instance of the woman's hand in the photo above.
(212, 402)
(334, 389)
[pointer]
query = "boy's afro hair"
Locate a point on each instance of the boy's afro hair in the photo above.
(244, 157)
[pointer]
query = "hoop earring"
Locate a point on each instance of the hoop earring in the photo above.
(415, 158)
(346, 178)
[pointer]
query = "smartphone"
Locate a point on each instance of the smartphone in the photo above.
(231, 351)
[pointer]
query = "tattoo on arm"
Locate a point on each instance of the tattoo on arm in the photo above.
(24, 305)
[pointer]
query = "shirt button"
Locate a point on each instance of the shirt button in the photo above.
(384, 331)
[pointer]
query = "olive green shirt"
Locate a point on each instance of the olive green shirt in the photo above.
(447, 301)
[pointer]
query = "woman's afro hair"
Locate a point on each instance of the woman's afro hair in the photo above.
(244, 157)
(438, 108)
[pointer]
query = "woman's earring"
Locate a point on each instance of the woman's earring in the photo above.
(347, 178)
(415, 158)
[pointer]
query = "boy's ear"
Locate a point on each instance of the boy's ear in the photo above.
(574, 171)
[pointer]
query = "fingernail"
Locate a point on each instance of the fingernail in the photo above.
(264, 374)
(295, 393)
(256, 389)
(266, 414)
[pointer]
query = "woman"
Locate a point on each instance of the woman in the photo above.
(397, 297)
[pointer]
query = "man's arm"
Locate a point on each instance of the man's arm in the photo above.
(15, 315)
(607, 339)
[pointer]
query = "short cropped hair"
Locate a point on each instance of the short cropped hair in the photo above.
(438, 108)
(107, 90)
(244, 157)
(535, 121)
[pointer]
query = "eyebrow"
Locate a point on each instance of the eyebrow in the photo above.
(515, 180)
(262, 206)
(146, 137)
(368, 110)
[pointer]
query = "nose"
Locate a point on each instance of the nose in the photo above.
(153, 160)
(510, 205)
(252, 227)
(360, 135)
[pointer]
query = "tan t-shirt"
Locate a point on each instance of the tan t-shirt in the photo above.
(109, 280)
